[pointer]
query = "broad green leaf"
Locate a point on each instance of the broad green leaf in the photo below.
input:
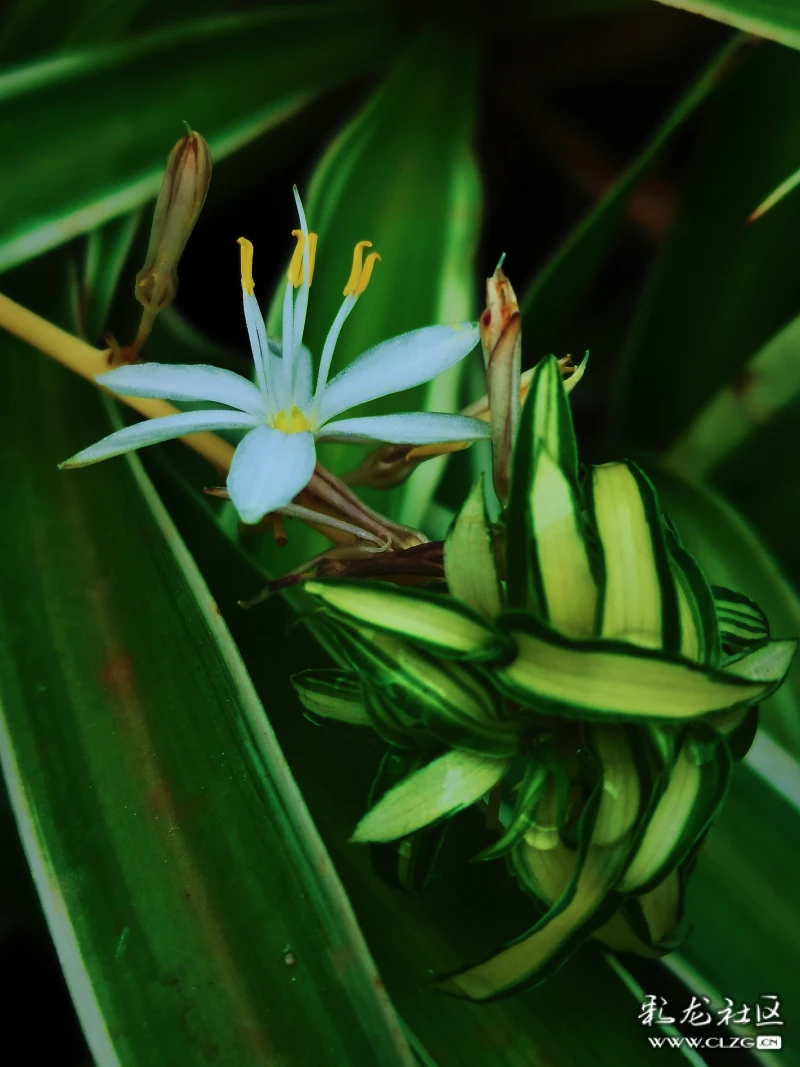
(732, 555)
(638, 601)
(440, 623)
(773, 19)
(719, 290)
(572, 269)
(613, 680)
(742, 898)
(443, 787)
(192, 904)
(80, 163)
(469, 558)
(400, 174)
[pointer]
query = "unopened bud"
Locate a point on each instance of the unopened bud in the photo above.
(500, 327)
(183, 190)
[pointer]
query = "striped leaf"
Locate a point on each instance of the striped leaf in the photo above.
(442, 624)
(332, 694)
(638, 603)
(601, 679)
(545, 420)
(742, 623)
(697, 785)
(469, 560)
(445, 786)
(429, 699)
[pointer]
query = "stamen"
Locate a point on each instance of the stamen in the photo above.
(246, 255)
(296, 272)
(357, 268)
(366, 273)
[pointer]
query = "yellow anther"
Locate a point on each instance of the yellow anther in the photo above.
(366, 273)
(293, 421)
(295, 272)
(357, 269)
(247, 265)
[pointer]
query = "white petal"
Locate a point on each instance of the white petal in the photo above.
(183, 381)
(269, 468)
(403, 362)
(153, 431)
(408, 428)
(302, 382)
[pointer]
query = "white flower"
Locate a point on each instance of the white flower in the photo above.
(283, 412)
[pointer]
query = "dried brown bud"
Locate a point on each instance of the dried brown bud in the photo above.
(500, 328)
(183, 190)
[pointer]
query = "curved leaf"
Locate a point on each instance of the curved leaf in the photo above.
(232, 78)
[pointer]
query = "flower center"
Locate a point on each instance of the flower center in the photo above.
(292, 421)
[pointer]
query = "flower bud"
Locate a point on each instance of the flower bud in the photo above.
(183, 190)
(500, 327)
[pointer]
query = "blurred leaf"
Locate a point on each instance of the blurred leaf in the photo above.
(732, 555)
(763, 388)
(91, 130)
(106, 250)
(719, 290)
(571, 271)
(774, 19)
(400, 174)
(191, 901)
(743, 898)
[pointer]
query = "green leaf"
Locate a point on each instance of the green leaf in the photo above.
(545, 424)
(415, 699)
(613, 680)
(559, 557)
(400, 174)
(469, 559)
(440, 623)
(332, 694)
(443, 787)
(772, 19)
(232, 77)
(621, 796)
(192, 903)
(729, 424)
(639, 602)
(719, 289)
(742, 623)
(571, 271)
(697, 784)
(733, 556)
(415, 935)
(584, 903)
(745, 882)
(526, 802)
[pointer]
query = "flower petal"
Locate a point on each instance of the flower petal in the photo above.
(407, 428)
(400, 363)
(183, 381)
(269, 468)
(153, 431)
(302, 382)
